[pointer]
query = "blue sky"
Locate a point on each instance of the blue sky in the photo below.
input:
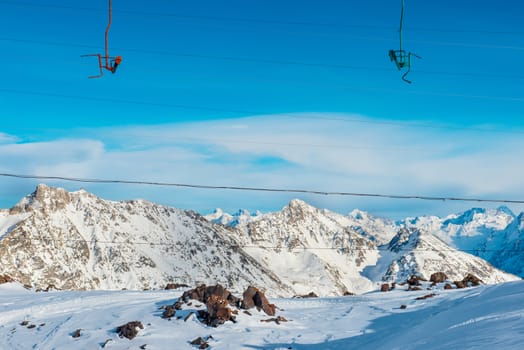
(284, 94)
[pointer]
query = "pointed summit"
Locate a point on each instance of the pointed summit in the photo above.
(298, 210)
(44, 196)
(504, 209)
(299, 204)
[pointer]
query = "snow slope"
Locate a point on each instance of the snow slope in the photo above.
(486, 317)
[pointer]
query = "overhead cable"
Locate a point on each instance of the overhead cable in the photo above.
(260, 20)
(289, 115)
(272, 247)
(260, 189)
(261, 60)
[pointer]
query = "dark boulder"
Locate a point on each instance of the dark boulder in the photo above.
(309, 295)
(438, 277)
(169, 311)
(176, 286)
(471, 280)
(468, 281)
(460, 284)
(203, 292)
(129, 330)
(253, 297)
(218, 311)
(415, 280)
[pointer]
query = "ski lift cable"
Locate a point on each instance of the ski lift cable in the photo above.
(262, 61)
(258, 20)
(260, 189)
(401, 22)
(253, 246)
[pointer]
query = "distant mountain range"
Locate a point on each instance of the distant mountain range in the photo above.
(495, 235)
(75, 240)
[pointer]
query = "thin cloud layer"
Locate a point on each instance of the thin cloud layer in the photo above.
(326, 152)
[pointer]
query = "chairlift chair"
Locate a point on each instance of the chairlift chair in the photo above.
(107, 62)
(402, 58)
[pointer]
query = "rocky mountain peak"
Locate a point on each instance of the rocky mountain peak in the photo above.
(481, 216)
(520, 220)
(50, 198)
(504, 209)
(358, 214)
(241, 217)
(406, 238)
(298, 210)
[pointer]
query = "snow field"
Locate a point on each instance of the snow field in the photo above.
(486, 317)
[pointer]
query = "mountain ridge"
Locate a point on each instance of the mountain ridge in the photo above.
(76, 240)
(492, 234)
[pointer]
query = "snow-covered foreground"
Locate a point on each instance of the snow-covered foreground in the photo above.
(486, 317)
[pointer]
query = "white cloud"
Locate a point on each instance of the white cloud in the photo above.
(277, 151)
(6, 138)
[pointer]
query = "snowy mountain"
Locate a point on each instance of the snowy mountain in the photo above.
(75, 240)
(415, 251)
(241, 217)
(510, 253)
(316, 247)
(491, 234)
(494, 235)
(79, 241)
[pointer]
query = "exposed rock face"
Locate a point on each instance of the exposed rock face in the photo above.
(5, 279)
(384, 287)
